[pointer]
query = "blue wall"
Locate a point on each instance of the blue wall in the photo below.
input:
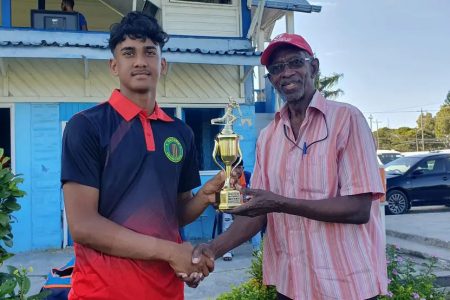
(6, 13)
(38, 151)
(246, 128)
(202, 227)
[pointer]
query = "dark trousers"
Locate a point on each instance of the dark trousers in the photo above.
(283, 297)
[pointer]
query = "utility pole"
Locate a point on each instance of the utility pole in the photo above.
(417, 142)
(370, 119)
(421, 126)
(378, 138)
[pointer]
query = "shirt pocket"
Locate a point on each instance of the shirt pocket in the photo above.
(314, 174)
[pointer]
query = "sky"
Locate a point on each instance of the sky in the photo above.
(394, 54)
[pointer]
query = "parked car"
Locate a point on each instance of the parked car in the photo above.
(422, 179)
(386, 156)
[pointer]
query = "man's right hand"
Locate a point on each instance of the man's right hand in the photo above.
(202, 253)
(181, 262)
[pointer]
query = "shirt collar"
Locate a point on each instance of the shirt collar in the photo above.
(318, 102)
(128, 109)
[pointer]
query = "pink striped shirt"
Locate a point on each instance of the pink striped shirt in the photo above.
(308, 259)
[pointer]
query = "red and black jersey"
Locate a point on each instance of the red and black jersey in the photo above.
(139, 163)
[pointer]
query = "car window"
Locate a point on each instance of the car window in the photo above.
(401, 165)
(388, 157)
(431, 166)
(448, 164)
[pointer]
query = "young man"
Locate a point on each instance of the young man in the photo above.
(316, 184)
(67, 5)
(127, 173)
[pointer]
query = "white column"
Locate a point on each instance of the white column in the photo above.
(261, 69)
(290, 22)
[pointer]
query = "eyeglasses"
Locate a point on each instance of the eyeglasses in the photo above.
(295, 63)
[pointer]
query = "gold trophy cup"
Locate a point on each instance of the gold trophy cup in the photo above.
(226, 146)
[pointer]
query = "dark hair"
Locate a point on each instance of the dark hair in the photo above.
(136, 25)
(70, 3)
(241, 163)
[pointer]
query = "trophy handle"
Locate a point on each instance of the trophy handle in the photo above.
(216, 146)
(239, 159)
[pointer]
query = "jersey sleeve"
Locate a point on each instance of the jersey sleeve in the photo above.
(81, 153)
(190, 176)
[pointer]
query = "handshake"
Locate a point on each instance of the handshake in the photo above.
(191, 264)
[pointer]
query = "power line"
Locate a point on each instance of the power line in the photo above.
(398, 111)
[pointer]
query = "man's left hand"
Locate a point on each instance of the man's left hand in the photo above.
(259, 202)
(212, 186)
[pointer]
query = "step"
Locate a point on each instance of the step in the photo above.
(419, 239)
(421, 250)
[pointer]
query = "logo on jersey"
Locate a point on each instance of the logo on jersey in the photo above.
(173, 149)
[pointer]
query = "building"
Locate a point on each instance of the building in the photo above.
(46, 76)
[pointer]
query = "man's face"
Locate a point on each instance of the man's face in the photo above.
(293, 83)
(138, 64)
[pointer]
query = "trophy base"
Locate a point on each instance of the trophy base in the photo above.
(228, 199)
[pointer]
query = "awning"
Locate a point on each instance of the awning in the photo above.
(94, 45)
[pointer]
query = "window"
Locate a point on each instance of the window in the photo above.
(170, 111)
(210, 1)
(199, 119)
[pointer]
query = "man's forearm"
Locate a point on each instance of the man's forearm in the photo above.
(193, 208)
(110, 238)
(343, 209)
(242, 229)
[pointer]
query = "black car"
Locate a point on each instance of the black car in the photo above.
(417, 180)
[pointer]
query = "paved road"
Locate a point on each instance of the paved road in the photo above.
(427, 221)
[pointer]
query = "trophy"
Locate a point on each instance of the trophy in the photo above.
(226, 146)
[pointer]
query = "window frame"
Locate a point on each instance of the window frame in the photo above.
(200, 2)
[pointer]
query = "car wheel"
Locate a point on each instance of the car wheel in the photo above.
(397, 202)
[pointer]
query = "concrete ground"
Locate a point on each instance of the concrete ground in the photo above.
(422, 233)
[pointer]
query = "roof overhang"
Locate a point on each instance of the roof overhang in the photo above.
(28, 43)
(274, 10)
(290, 5)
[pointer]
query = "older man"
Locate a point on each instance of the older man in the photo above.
(316, 184)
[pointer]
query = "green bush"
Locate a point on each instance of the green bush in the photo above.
(14, 284)
(406, 282)
(254, 288)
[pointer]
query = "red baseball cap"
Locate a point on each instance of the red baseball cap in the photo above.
(285, 39)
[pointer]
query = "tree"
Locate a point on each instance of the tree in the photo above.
(404, 139)
(15, 283)
(383, 138)
(428, 123)
(325, 85)
(447, 100)
(442, 127)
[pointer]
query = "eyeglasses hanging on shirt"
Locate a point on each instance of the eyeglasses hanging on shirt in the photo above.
(306, 146)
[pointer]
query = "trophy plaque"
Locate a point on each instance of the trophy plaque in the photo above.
(226, 147)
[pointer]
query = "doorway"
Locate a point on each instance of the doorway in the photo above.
(5, 133)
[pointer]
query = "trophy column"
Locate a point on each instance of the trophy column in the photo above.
(226, 146)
